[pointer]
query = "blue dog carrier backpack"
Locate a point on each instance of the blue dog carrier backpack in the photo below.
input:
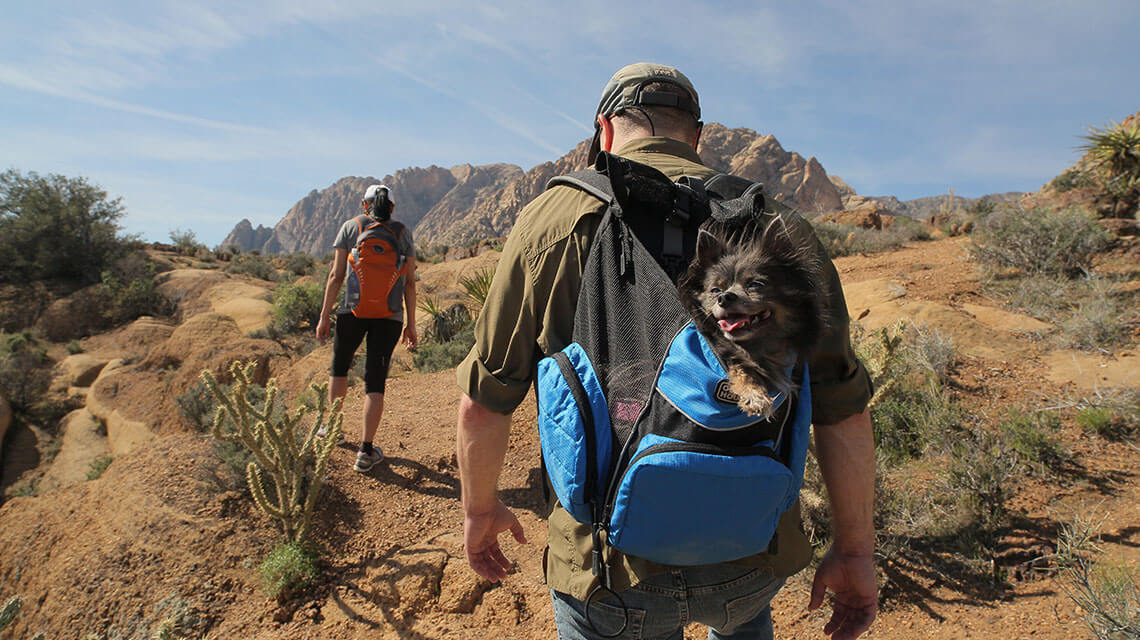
(639, 439)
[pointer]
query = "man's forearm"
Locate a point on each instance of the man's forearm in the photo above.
(846, 455)
(481, 447)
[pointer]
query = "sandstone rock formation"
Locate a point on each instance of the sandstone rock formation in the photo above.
(466, 203)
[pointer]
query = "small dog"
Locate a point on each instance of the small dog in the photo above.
(757, 293)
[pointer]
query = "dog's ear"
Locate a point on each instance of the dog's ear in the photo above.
(710, 248)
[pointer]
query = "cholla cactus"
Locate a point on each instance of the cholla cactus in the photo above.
(277, 448)
(881, 353)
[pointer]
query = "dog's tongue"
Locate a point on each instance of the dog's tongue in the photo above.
(729, 325)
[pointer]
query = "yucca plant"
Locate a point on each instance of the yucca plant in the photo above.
(428, 305)
(1115, 150)
(478, 285)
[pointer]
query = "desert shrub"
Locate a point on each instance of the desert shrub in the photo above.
(1031, 438)
(98, 466)
(253, 265)
(73, 347)
(448, 324)
(24, 370)
(289, 568)
(431, 356)
(186, 242)
(1111, 414)
(913, 419)
(1088, 312)
(1072, 179)
(297, 306)
(197, 406)
(478, 285)
(932, 352)
(1062, 242)
(128, 294)
(979, 477)
(289, 458)
(1106, 594)
(9, 611)
(57, 228)
(847, 239)
(299, 263)
(1096, 317)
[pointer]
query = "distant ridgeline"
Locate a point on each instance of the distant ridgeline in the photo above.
(465, 204)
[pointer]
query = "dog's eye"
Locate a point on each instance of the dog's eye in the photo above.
(756, 284)
(714, 290)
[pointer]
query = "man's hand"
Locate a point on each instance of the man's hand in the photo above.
(852, 578)
(481, 540)
(323, 328)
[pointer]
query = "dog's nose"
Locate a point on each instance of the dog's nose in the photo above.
(726, 298)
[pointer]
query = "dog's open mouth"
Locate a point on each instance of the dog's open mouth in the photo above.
(731, 323)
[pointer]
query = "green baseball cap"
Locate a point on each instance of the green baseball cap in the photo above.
(626, 89)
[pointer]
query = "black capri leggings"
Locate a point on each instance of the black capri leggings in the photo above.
(383, 333)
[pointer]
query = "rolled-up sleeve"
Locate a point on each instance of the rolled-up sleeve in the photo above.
(497, 372)
(840, 384)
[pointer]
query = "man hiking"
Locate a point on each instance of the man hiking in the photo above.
(650, 114)
(377, 256)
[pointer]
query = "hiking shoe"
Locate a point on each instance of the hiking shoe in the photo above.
(324, 430)
(365, 461)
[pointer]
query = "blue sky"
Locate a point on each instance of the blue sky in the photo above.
(199, 114)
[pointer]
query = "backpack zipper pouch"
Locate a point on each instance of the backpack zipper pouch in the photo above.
(684, 503)
(574, 429)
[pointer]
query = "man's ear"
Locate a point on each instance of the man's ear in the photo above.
(606, 137)
(709, 248)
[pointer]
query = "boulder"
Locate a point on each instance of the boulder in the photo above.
(866, 217)
(83, 441)
(118, 399)
(79, 370)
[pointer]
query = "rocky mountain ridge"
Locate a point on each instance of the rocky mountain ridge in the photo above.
(468, 203)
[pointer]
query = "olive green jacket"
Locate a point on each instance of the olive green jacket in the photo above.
(529, 314)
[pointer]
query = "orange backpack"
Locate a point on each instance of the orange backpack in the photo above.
(375, 265)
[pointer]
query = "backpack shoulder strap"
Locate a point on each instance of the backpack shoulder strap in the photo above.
(728, 186)
(586, 180)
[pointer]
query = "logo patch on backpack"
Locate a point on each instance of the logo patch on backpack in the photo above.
(724, 394)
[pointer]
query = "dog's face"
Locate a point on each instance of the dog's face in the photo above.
(762, 291)
(739, 293)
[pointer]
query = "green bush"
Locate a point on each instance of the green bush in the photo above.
(252, 264)
(57, 228)
(1031, 438)
(186, 242)
(288, 569)
(24, 370)
(446, 325)
(1072, 179)
(98, 466)
(299, 263)
(431, 356)
(1062, 242)
(913, 419)
(1115, 151)
(979, 477)
(1114, 415)
(297, 306)
(130, 293)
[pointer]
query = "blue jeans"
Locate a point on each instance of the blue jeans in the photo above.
(733, 601)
